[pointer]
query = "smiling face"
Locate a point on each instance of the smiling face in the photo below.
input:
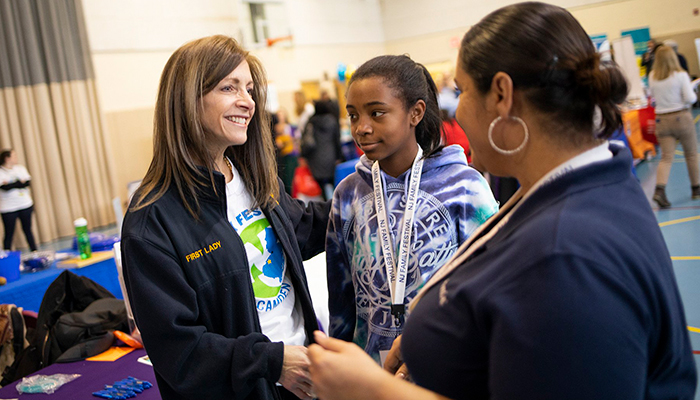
(381, 125)
(228, 109)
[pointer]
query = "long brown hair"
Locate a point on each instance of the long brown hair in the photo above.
(665, 63)
(179, 139)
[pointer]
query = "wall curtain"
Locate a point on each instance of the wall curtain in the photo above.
(49, 114)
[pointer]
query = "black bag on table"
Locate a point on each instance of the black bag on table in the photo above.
(69, 323)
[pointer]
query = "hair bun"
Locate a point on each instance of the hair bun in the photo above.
(608, 90)
(586, 70)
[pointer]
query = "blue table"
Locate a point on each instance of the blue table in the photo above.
(28, 291)
(344, 169)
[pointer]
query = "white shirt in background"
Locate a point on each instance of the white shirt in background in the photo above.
(309, 110)
(14, 199)
(672, 94)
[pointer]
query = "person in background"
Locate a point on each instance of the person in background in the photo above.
(347, 144)
(407, 207)
(320, 146)
(304, 110)
(648, 56)
(448, 95)
(682, 62)
(568, 292)
(212, 246)
(332, 102)
(287, 152)
(15, 199)
(670, 86)
(454, 134)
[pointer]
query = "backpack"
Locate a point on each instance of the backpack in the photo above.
(13, 332)
(59, 328)
(86, 333)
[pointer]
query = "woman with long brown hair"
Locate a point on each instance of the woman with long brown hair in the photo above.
(212, 247)
(671, 88)
(568, 291)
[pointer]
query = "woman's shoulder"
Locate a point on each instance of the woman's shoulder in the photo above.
(168, 204)
(673, 78)
(681, 74)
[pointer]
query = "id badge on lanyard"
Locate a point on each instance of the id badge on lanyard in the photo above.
(397, 270)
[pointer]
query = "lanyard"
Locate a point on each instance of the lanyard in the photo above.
(396, 274)
(476, 240)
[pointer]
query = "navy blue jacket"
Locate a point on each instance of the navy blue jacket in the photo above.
(574, 298)
(190, 289)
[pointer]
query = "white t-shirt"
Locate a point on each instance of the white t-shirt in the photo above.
(280, 317)
(309, 110)
(672, 94)
(14, 199)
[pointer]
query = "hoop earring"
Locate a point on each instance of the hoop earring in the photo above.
(517, 149)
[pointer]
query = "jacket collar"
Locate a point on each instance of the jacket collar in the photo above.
(209, 193)
(609, 172)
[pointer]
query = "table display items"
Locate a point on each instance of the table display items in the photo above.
(124, 389)
(44, 383)
(82, 238)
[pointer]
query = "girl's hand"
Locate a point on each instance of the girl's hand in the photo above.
(394, 361)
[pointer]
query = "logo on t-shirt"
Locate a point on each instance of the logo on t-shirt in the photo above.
(266, 258)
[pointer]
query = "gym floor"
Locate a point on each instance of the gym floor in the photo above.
(680, 225)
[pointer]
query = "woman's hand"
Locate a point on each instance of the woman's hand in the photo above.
(341, 370)
(295, 375)
(394, 361)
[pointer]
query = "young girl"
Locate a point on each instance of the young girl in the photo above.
(404, 211)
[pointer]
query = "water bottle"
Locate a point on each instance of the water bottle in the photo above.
(82, 238)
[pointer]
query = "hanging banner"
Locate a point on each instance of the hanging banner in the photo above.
(598, 40)
(640, 37)
(602, 46)
(625, 58)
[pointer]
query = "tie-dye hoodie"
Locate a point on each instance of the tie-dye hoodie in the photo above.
(453, 200)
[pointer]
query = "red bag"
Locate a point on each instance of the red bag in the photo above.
(304, 183)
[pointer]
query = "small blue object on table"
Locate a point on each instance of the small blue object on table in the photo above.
(94, 375)
(28, 291)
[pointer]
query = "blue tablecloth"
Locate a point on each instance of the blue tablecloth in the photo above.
(29, 289)
(344, 169)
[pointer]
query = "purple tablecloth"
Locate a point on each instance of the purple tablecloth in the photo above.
(94, 375)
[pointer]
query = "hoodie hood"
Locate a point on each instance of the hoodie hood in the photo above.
(453, 154)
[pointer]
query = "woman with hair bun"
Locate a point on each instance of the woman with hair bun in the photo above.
(568, 292)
